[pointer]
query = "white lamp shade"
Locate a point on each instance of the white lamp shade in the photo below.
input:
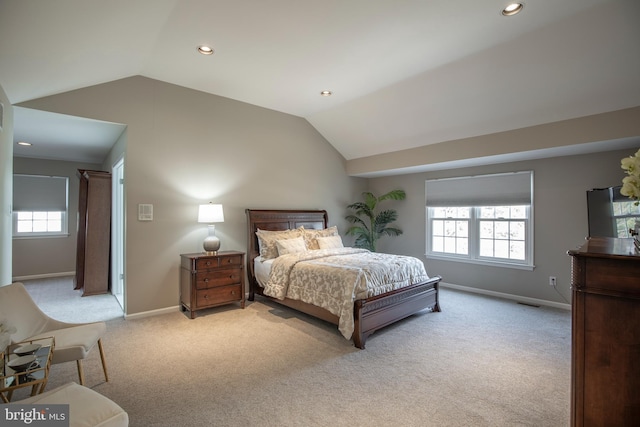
(210, 213)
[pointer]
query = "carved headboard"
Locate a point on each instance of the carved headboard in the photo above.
(277, 220)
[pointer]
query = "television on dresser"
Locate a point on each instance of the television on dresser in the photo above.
(610, 214)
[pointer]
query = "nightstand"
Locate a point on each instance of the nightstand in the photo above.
(211, 280)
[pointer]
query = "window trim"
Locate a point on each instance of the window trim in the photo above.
(474, 256)
(27, 205)
(39, 234)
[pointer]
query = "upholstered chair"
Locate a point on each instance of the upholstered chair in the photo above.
(73, 341)
(86, 407)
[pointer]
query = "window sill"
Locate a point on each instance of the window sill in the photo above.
(40, 236)
(529, 267)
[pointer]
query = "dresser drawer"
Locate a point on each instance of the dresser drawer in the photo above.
(219, 277)
(219, 295)
(221, 261)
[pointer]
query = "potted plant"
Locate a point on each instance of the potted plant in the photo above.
(370, 225)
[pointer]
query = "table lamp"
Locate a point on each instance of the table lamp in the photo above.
(211, 213)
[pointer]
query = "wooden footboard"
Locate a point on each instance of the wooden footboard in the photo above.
(377, 312)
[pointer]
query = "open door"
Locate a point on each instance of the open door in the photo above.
(117, 236)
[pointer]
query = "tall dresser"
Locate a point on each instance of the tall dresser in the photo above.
(605, 352)
(94, 232)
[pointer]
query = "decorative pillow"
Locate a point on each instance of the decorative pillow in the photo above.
(291, 246)
(267, 240)
(310, 236)
(330, 242)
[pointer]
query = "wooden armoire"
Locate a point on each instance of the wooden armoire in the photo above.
(605, 350)
(94, 233)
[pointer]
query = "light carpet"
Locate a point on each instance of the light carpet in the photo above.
(482, 361)
(57, 298)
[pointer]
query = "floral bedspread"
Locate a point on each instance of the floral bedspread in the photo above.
(334, 278)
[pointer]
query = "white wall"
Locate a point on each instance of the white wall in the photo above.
(560, 222)
(6, 184)
(185, 147)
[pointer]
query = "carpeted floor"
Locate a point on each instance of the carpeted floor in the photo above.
(480, 362)
(56, 297)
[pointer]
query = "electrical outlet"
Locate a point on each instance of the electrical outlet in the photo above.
(552, 281)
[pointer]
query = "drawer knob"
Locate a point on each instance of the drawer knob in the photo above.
(206, 280)
(208, 262)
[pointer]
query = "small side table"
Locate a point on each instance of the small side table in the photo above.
(35, 377)
(209, 280)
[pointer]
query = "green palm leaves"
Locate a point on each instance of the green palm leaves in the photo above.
(369, 226)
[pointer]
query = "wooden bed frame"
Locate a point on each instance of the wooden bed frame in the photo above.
(370, 314)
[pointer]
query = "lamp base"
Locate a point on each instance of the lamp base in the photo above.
(211, 243)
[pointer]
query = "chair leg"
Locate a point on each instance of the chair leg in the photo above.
(104, 363)
(80, 371)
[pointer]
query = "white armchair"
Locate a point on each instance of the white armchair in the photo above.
(86, 407)
(73, 341)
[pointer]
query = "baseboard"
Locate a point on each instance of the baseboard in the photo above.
(517, 298)
(43, 276)
(151, 313)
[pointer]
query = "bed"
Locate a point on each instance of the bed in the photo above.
(369, 313)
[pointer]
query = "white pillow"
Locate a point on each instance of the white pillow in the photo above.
(267, 240)
(291, 246)
(330, 242)
(310, 235)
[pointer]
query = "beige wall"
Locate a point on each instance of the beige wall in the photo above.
(575, 134)
(560, 222)
(6, 184)
(185, 147)
(33, 257)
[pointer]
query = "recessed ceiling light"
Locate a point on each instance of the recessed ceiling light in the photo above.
(27, 144)
(512, 9)
(205, 50)
(326, 93)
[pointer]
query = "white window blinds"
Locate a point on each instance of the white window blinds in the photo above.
(40, 193)
(514, 188)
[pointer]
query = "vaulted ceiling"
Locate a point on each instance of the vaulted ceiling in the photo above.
(403, 73)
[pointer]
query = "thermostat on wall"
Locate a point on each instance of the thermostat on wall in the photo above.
(145, 212)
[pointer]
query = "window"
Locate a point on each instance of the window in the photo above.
(610, 214)
(481, 219)
(503, 232)
(625, 214)
(40, 205)
(450, 230)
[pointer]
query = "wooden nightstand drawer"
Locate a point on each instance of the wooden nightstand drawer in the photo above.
(220, 261)
(208, 280)
(229, 260)
(220, 277)
(216, 296)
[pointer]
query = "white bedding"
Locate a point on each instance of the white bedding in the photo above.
(334, 278)
(262, 268)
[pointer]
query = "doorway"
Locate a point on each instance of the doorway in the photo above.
(117, 236)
